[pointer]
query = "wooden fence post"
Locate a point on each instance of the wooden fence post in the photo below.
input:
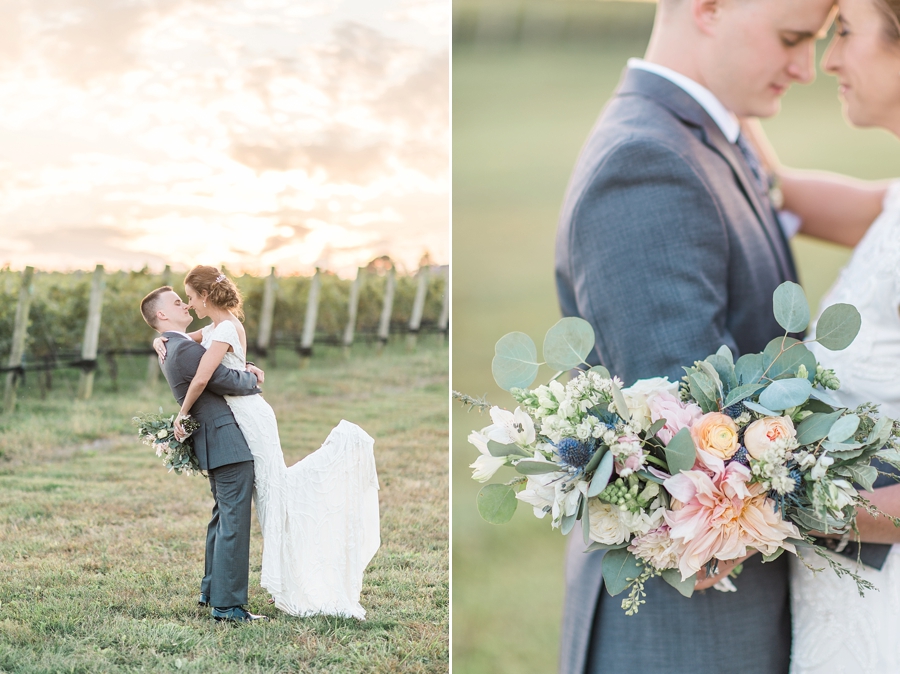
(20, 332)
(352, 310)
(309, 322)
(91, 334)
(415, 319)
(445, 304)
(384, 324)
(153, 371)
(268, 311)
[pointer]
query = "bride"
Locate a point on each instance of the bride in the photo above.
(834, 630)
(319, 518)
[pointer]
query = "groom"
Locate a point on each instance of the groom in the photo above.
(221, 450)
(668, 244)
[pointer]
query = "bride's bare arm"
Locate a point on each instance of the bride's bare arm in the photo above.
(880, 529)
(159, 343)
(833, 207)
(208, 364)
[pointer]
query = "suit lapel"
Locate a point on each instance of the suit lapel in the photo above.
(681, 104)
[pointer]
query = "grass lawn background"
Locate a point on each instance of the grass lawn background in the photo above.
(101, 549)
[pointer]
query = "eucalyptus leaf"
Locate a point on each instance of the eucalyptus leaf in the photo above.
(602, 371)
(838, 326)
(681, 452)
(775, 555)
(816, 427)
(499, 449)
(841, 450)
(568, 343)
(515, 361)
(530, 467)
(756, 407)
(784, 393)
(738, 394)
(703, 391)
(586, 522)
(705, 384)
(673, 578)
(604, 546)
(650, 477)
(864, 476)
(809, 520)
(710, 371)
(497, 503)
(620, 403)
(619, 568)
(725, 352)
(880, 432)
(567, 523)
(844, 428)
(724, 367)
(749, 368)
(601, 475)
(825, 397)
(790, 306)
(891, 456)
(656, 427)
(595, 459)
(783, 356)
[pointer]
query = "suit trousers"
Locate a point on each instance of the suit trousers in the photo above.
(228, 535)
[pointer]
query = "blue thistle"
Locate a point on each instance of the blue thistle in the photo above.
(574, 453)
(736, 410)
(741, 456)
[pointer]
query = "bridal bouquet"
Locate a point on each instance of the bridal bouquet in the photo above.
(673, 477)
(158, 431)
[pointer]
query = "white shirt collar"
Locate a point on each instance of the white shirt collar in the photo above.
(179, 332)
(726, 120)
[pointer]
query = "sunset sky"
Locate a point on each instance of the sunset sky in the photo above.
(292, 133)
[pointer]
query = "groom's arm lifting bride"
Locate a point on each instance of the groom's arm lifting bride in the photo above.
(667, 203)
(221, 450)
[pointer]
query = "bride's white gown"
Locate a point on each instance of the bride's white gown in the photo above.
(319, 518)
(836, 631)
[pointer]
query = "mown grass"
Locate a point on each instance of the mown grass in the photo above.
(520, 115)
(101, 550)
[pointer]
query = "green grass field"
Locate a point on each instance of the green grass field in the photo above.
(101, 550)
(520, 115)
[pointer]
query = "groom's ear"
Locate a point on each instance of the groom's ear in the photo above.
(706, 14)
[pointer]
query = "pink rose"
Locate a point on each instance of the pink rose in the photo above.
(763, 433)
(678, 415)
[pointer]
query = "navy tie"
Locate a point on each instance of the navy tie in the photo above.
(756, 168)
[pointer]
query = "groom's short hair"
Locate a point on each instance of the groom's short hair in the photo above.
(150, 304)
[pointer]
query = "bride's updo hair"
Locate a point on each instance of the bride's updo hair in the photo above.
(221, 291)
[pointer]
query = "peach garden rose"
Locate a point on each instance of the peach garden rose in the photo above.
(717, 434)
(763, 433)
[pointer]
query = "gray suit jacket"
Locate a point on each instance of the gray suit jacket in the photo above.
(664, 246)
(218, 441)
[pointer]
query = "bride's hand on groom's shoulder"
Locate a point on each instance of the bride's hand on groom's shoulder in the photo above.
(260, 375)
(705, 582)
(159, 345)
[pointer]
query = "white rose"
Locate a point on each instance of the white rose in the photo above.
(637, 394)
(163, 433)
(606, 525)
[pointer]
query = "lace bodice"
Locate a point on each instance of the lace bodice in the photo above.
(225, 332)
(868, 368)
(834, 630)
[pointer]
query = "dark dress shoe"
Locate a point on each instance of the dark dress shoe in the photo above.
(203, 600)
(236, 614)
